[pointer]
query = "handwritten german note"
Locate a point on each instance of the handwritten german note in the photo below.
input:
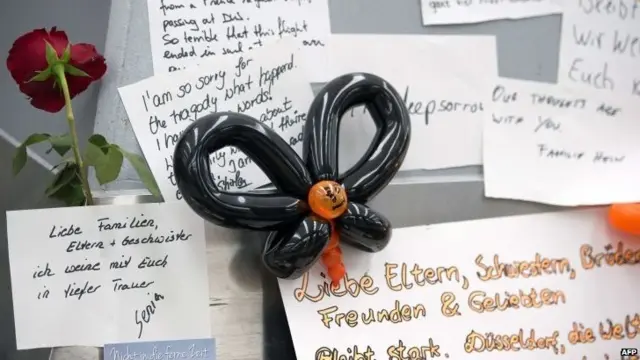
(600, 45)
(268, 84)
(521, 288)
(443, 12)
(189, 32)
(446, 102)
(102, 274)
(561, 146)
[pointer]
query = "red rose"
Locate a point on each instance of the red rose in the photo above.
(28, 57)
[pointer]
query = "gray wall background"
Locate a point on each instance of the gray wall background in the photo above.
(84, 21)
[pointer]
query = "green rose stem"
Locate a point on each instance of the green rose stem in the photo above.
(58, 70)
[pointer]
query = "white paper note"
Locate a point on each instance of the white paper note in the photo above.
(549, 286)
(268, 84)
(193, 32)
(444, 92)
(104, 274)
(552, 144)
(600, 45)
(443, 12)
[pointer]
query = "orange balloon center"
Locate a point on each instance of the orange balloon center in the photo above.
(327, 199)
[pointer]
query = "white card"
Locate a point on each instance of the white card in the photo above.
(444, 92)
(600, 45)
(270, 80)
(443, 12)
(92, 275)
(552, 144)
(186, 33)
(502, 289)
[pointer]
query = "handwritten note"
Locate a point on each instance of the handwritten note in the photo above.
(94, 275)
(444, 92)
(268, 84)
(600, 45)
(190, 32)
(195, 349)
(443, 12)
(530, 287)
(550, 144)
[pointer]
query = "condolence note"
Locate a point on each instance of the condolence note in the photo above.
(186, 33)
(445, 94)
(600, 45)
(444, 12)
(103, 274)
(561, 146)
(268, 84)
(550, 286)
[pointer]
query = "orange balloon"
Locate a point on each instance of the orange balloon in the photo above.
(327, 199)
(332, 258)
(625, 217)
(336, 273)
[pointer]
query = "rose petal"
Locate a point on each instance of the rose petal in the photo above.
(43, 95)
(83, 53)
(86, 58)
(48, 103)
(27, 55)
(37, 88)
(58, 39)
(77, 84)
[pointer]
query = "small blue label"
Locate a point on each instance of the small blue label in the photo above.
(197, 349)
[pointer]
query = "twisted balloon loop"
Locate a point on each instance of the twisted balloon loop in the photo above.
(313, 209)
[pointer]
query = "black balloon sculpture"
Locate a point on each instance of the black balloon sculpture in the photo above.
(313, 206)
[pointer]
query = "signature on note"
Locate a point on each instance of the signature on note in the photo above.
(145, 315)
